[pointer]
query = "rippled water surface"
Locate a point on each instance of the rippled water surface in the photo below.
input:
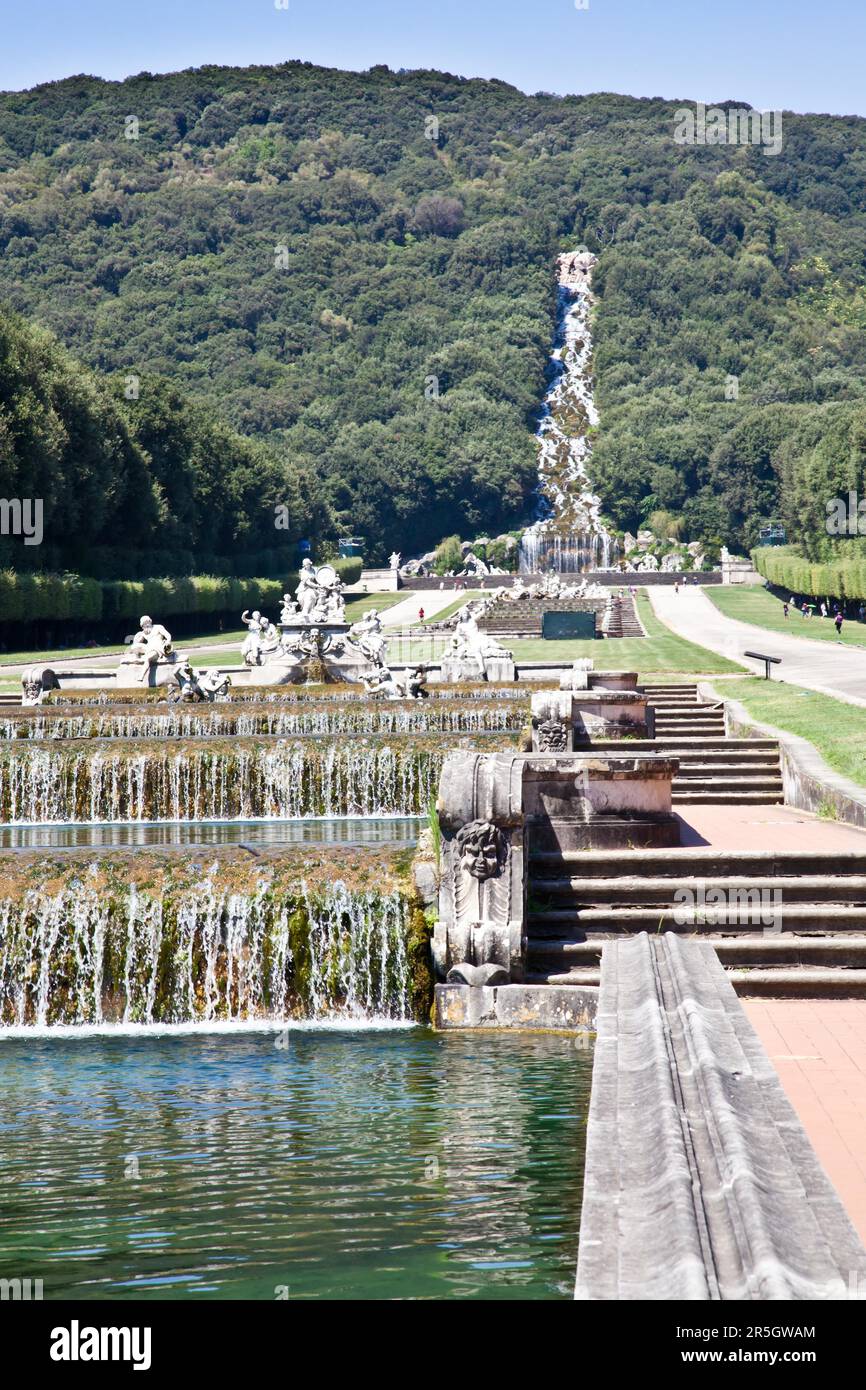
(328, 1163)
(349, 830)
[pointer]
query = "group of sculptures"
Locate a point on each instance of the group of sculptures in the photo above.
(311, 631)
(311, 640)
(552, 586)
(152, 646)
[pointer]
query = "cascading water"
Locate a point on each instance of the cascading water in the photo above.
(100, 782)
(361, 718)
(83, 955)
(568, 536)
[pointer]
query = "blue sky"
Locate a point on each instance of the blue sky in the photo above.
(804, 55)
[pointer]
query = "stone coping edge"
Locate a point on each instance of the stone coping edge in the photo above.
(700, 1183)
(530, 1008)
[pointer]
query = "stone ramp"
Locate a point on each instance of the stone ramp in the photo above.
(700, 1183)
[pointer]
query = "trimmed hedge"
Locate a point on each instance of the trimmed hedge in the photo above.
(28, 598)
(787, 569)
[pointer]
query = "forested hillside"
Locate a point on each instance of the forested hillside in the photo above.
(357, 271)
(134, 488)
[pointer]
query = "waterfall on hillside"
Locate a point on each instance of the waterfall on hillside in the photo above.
(568, 536)
(207, 954)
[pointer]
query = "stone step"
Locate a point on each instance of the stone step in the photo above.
(796, 982)
(766, 951)
(727, 798)
(706, 724)
(810, 888)
(675, 688)
(574, 921)
(692, 769)
(701, 860)
(714, 728)
(667, 747)
(699, 786)
(687, 708)
(799, 982)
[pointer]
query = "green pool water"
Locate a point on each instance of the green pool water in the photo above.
(313, 1163)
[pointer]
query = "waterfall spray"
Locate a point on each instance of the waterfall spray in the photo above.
(568, 535)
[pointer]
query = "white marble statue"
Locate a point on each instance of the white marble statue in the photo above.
(319, 596)
(150, 645)
(251, 648)
(308, 592)
(214, 684)
(382, 682)
(395, 559)
(289, 610)
(471, 645)
(366, 635)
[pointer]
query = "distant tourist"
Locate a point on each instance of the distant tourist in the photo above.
(805, 610)
(861, 612)
(676, 586)
(838, 621)
(785, 609)
(823, 610)
(420, 615)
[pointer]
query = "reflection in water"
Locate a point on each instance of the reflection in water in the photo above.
(398, 1164)
(348, 830)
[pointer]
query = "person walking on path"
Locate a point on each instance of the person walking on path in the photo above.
(420, 615)
(838, 621)
(785, 610)
(676, 586)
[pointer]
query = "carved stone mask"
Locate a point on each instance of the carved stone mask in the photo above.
(483, 849)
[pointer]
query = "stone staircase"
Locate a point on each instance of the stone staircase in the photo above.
(622, 619)
(719, 771)
(784, 923)
(679, 712)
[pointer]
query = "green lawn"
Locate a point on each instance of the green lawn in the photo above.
(355, 608)
(445, 613)
(835, 728)
(660, 653)
(752, 603)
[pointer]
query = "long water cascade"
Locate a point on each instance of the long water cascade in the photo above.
(85, 954)
(95, 781)
(568, 535)
(272, 721)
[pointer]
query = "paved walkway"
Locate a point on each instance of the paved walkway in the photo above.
(405, 613)
(765, 828)
(823, 666)
(818, 1047)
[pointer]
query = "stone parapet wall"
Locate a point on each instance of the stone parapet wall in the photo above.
(700, 1183)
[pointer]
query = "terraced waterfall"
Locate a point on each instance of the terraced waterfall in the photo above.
(568, 535)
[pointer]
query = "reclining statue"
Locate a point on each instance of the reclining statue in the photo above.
(150, 645)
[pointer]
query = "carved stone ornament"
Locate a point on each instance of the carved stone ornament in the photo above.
(552, 736)
(483, 849)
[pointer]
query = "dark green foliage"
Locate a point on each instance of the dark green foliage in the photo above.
(301, 251)
(144, 486)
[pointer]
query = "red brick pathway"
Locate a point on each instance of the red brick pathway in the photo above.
(765, 827)
(818, 1047)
